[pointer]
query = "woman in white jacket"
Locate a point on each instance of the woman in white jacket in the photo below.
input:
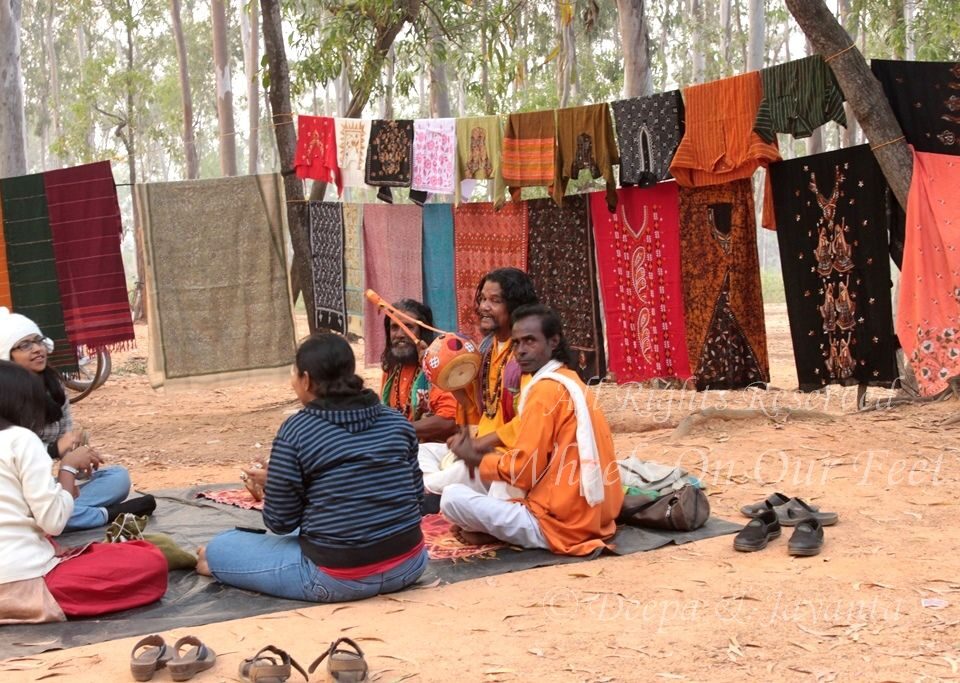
(39, 581)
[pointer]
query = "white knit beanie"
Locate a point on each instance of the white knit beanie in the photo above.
(13, 328)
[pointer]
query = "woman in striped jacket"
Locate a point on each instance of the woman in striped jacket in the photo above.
(342, 496)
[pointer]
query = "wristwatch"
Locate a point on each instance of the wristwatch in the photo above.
(72, 470)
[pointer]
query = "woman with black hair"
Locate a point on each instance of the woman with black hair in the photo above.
(343, 493)
(102, 489)
(38, 583)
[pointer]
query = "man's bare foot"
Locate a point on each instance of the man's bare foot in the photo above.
(202, 567)
(474, 537)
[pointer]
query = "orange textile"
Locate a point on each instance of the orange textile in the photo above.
(5, 298)
(502, 391)
(438, 402)
(719, 144)
(528, 150)
(545, 462)
(928, 315)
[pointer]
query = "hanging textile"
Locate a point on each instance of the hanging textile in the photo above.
(928, 315)
(925, 97)
(832, 229)
(326, 255)
(393, 265)
(798, 97)
(434, 155)
(479, 142)
(719, 144)
(389, 156)
(585, 141)
(485, 239)
(87, 229)
(726, 338)
(560, 263)
(528, 151)
(353, 138)
(649, 130)
(316, 154)
(31, 263)
(5, 299)
(638, 257)
(218, 298)
(353, 253)
(438, 265)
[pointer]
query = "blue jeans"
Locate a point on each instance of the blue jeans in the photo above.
(275, 565)
(107, 486)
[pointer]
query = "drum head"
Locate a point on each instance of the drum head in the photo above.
(458, 373)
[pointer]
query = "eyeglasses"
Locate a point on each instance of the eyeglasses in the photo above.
(27, 344)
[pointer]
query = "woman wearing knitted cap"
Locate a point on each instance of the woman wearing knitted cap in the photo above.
(101, 495)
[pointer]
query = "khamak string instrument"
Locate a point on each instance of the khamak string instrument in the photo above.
(450, 362)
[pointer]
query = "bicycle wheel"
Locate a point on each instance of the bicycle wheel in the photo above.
(94, 370)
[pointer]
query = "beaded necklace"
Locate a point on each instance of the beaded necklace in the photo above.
(491, 401)
(395, 386)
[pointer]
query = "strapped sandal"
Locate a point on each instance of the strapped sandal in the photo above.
(343, 666)
(198, 658)
(774, 500)
(154, 655)
(263, 668)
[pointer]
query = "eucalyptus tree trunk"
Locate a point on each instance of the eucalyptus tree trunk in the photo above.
(13, 159)
(755, 44)
(697, 57)
(568, 86)
(388, 86)
(250, 35)
(186, 99)
(850, 22)
(53, 69)
(862, 89)
(439, 83)
(221, 64)
(635, 39)
(279, 70)
(909, 37)
(726, 34)
(815, 141)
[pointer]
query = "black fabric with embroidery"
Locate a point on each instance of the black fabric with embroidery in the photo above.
(648, 131)
(389, 156)
(833, 223)
(925, 97)
(326, 253)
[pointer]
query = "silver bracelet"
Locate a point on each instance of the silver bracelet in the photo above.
(72, 470)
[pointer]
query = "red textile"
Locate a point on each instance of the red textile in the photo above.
(392, 260)
(109, 577)
(240, 498)
(485, 239)
(638, 254)
(362, 572)
(442, 544)
(928, 314)
(86, 228)
(316, 155)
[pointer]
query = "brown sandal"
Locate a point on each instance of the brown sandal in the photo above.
(155, 655)
(263, 668)
(343, 666)
(198, 658)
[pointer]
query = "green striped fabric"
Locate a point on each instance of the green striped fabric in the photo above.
(34, 288)
(798, 97)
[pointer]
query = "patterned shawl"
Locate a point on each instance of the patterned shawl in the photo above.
(649, 130)
(585, 142)
(726, 337)
(528, 150)
(479, 142)
(353, 138)
(316, 155)
(353, 252)
(326, 253)
(485, 239)
(833, 224)
(638, 256)
(86, 227)
(390, 156)
(393, 265)
(561, 264)
(434, 155)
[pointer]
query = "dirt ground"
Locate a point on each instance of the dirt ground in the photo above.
(881, 603)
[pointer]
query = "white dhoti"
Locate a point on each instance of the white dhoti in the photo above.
(441, 468)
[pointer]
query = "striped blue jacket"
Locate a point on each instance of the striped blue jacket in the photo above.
(349, 478)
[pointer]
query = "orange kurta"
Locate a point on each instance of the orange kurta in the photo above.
(439, 402)
(545, 462)
(719, 144)
(474, 415)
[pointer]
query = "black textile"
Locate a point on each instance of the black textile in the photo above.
(389, 156)
(326, 253)
(925, 97)
(649, 129)
(833, 222)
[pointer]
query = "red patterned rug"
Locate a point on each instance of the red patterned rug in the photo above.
(441, 542)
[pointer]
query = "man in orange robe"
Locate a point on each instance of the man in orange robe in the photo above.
(562, 458)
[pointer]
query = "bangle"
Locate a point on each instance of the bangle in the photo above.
(71, 470)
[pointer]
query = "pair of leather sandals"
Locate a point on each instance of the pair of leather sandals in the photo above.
(777, 511)
(151, 654)
(273, 665)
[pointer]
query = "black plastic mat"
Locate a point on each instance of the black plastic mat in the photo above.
(193, 600)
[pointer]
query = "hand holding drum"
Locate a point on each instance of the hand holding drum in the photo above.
(451, 361)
